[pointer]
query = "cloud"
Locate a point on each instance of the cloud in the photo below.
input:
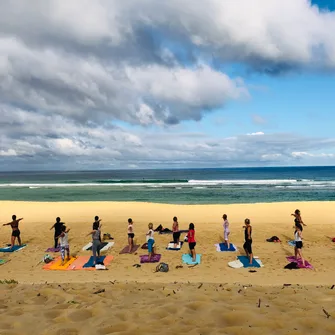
(82, 68)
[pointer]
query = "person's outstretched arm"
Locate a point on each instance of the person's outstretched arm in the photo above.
(52, 227)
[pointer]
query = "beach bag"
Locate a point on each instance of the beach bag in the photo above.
(162, 267)
(273, 239)
(47, 258)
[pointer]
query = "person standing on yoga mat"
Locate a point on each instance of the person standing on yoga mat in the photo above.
(15, 230)
(226, 231)
(64, 244)
(96, 244)
(191, 241)
(97, 223)
(297, 217)
(131, 234)
(175, 232)
(248, 240)
(298, 242)
(150, 241)
(58, 230)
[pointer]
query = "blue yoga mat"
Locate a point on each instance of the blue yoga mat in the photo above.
(186, 258)
(15, 248)
(223, 247)
(90, 263)
(245, 261)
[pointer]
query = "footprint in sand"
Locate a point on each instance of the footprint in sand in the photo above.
(116, 328)
(53, 314)
(80, 316)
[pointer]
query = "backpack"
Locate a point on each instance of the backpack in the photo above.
(47, 258)
(162, 267)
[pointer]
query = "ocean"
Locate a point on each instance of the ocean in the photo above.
(174, 186)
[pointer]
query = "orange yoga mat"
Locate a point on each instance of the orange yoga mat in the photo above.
(75, 263)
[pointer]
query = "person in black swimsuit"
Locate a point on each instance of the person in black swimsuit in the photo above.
(248, 240)
(15, 230)
(297, 217)
(58, 230)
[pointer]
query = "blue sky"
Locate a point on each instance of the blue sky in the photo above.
(204, 84)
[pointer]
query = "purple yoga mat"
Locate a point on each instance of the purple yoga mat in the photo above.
(154, 259)
(125, 250)
(307, 265)
(52, 250)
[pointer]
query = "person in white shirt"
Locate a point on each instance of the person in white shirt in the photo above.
(226, 229)
(64, 244)
(150, 240)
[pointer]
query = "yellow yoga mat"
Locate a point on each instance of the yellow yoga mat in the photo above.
(57, 265)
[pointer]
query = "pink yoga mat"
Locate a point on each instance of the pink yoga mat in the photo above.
(307, 264)
(125, 250)
(154, 259)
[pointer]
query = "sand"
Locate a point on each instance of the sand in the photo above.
(137, 299)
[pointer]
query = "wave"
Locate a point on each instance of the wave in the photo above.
(181, 183)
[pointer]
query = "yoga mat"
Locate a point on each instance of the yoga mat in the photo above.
(223, 247)
(56, 265)
(170, 232)
(105, 246)
(235, 264)
(171, 246)
(291, 243)
(126, 248)
(90, 263)
(154, 259)
(15, 248)
(307, 264)
(245, 261)
(186, 258)
(53, 250)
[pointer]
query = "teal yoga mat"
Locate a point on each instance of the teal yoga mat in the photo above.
(90, 263)
(15, 248)
(245, 261)
(186, 258)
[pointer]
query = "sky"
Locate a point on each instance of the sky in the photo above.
(109, 84)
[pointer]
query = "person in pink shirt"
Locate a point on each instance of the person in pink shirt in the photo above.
(191, 241)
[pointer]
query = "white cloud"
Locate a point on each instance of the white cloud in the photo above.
(258, 133)
(70, 70)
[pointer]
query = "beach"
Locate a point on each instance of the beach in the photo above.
(210, 298)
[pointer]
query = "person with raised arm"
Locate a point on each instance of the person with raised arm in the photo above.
(15, 230)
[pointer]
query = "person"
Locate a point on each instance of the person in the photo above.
(131, 234)
(58, 230)
(64, 244)
(175, 232)
(150, 240)
(297, 217)
(298, 242)
(191, 241)
(226, 229)
(247, 246)
(95, 224)
(15, 230)
(96, 240)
